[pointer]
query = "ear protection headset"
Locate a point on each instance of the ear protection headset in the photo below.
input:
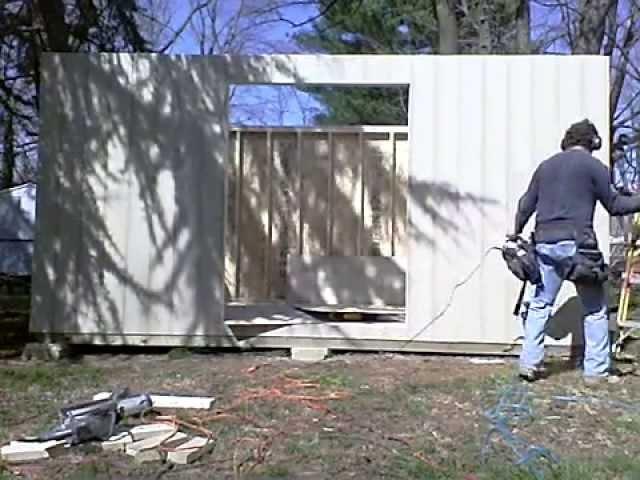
(596, 140)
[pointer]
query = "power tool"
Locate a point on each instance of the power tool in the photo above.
(95, 420)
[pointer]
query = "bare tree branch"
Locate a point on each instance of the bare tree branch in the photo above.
(620, 73)
(312, 19)
(180, 30)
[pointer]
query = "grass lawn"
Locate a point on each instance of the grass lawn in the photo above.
(377, 416)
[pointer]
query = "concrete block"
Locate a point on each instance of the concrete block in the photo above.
(309, 354)
(45, 351)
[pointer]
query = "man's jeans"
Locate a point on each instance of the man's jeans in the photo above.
(596, 324)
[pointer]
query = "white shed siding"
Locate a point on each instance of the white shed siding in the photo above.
(478, 127)
(493, 119)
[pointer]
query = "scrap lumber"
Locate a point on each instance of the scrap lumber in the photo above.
(18, 452)
(172, 401)
(191, 450)
(147, 450)
(120, 441)
(182, 401)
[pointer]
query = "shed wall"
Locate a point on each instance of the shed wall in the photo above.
(475, 145)
(131, 245)
(130, 233)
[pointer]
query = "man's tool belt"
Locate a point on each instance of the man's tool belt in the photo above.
(520, 257)
(587, 266)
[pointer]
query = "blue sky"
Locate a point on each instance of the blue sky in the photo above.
(263, 105)
(259, 105)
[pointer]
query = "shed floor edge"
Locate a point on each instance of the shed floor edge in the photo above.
(397, 346)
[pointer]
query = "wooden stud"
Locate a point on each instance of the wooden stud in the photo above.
(299, 192)
(394, 185)
(239, 155)
(362, 193)
(330, 193)
(268, 246)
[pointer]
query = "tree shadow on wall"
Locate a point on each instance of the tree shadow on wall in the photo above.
(131, 210)
(130, 220)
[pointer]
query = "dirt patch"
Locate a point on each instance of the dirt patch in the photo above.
(351, 416)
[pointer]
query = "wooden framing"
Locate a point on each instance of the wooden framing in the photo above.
(245, 245)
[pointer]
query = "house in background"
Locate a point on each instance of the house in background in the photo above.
(17, 217)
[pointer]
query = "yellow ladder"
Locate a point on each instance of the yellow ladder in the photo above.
(632, 257)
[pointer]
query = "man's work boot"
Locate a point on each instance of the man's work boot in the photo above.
(532, 374)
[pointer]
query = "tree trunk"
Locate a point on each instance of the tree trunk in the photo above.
(620, 64)
(591, 22)
(611, 29)
(8, 157)
(523, 27)
(447, 27)
(55, 26)
(484, 28)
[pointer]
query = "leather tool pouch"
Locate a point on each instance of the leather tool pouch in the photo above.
(587, 266)
(520, 257)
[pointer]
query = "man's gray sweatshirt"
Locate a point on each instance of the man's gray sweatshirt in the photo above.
(563, 192)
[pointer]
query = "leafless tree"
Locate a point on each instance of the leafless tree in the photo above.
(27, 29)
(600, 27)
(30, 27)
(247, 27)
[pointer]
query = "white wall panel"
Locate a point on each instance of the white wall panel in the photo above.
(478, 128)
(516, 110)
(134, 184)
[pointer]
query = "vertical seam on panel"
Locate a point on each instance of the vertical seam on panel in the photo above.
(128, 219)
(508, 215)
(434, 177)
(483, 156)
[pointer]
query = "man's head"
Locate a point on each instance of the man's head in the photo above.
(582, 134)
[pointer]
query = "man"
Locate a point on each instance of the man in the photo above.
(563, 192)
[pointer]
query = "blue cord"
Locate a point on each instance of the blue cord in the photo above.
(514, 407)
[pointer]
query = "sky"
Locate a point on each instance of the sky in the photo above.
(287, 106)
(259, 105)
(281, 105)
